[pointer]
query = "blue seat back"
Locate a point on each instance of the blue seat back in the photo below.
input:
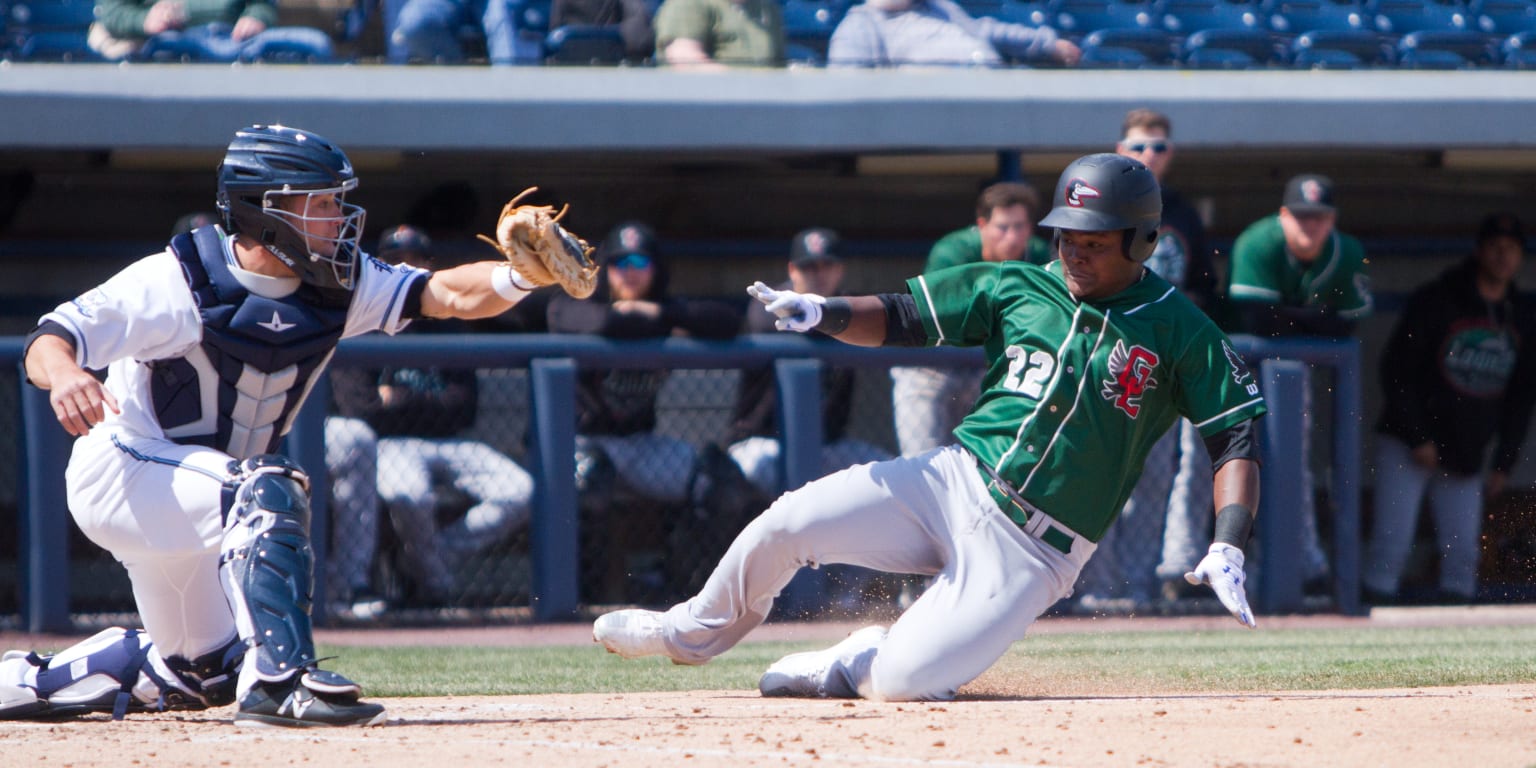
(1185, 17)
(1294, 17)
(1502, 18)
(584, 45)
(1399, 17)
(1077, 18)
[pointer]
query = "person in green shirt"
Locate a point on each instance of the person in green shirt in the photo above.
(1090, 360)
(713, 34)
(202, 30)
(1295, 274)
(927, 402)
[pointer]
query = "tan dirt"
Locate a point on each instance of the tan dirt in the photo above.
(1073, 725)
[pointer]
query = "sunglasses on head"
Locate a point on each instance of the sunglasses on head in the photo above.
(632, 261)
(1158, 146)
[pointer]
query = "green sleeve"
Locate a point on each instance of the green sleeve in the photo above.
(955, 304)
(1347, 290)
(123, 18)
(963, 246)
(1253, 264)
(262, 11)
(1217, 389)
(682, 19)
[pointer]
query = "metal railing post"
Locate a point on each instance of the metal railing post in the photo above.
(1279, 572)
(305, 444)
(45, 516)
(799, 389)
(553, 536)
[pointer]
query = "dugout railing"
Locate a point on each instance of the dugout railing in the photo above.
(552, 363)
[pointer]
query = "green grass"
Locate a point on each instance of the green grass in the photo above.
(1294, 659)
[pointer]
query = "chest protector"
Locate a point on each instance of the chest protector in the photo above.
(239, 390)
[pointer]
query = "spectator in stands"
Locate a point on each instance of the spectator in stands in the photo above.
(814, 267)
(620, 457)
(1168, 514)
(434, 32)
(1293, 274)
(632, 17)
(1458, 373)
(202, 30)
(929, 402)
(889, 33)
(715, 34)
(420, 415)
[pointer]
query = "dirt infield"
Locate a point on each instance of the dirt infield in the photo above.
(1061, 723)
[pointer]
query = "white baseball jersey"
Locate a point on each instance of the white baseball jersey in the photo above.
(147, 313)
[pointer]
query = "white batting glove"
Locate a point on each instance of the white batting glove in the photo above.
(1222, 568)
(796, 311)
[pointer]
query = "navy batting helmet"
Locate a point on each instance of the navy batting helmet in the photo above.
(267, 162)
(1106, 192)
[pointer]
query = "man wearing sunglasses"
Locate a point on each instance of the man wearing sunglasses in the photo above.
(1295, 274)
(1161, 534)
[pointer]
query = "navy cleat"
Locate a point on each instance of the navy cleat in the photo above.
(314, 699)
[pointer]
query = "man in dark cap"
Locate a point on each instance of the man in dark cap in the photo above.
(1295, 274)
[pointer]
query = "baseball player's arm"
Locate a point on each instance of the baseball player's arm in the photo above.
(858, 320)
(1236, 495)
(79, 400)
(470, 291)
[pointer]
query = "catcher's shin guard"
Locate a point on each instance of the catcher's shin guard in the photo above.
(267, 565)
(118, 671)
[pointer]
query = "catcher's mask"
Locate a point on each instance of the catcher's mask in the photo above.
(1107, 192)
(265, 163)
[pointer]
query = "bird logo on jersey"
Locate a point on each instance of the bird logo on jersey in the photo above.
(1079, 190)
(1240, 373)
(1130, 376)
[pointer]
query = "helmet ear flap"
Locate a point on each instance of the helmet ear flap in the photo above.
(1140, 242)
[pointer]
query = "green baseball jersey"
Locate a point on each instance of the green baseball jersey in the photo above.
(963, 246)
(1076, 392)
(1264, 270)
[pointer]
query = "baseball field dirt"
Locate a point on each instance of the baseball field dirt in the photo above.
(997, 722)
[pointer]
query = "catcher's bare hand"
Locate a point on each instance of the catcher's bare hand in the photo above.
(540, 250)
(1222, 568)
(80, 401)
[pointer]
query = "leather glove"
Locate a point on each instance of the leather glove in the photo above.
(1222, 568)
(798, 312)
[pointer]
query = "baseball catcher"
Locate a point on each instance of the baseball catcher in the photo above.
(540, 250)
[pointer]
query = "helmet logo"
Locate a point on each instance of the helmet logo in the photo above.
(1079, 192)
(629, 237)
(1130, 376)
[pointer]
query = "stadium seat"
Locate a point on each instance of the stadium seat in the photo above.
(1341, 49)
(1399, 17)
(51, 30)
(978, 8)
(808, 24)
(1129, 49)
(1501, 18)
(584, 45)
(1295, 17)
(1518, 51)
(1031, 13)
(1076, 18)
(1445, 49)
(1186, 17)
(1231, 49)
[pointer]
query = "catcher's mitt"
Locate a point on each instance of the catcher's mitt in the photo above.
(541, 250)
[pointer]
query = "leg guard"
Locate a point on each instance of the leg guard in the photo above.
(116, 670)
(267, 565)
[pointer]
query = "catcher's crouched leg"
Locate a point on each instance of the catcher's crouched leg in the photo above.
(267, 568)
(118, 671)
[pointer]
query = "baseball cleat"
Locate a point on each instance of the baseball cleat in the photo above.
(17, 699)
(314, 699)
(820, 674)
(633, 633)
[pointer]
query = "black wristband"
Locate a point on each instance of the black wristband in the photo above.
(836, 314)
(1233, 522)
